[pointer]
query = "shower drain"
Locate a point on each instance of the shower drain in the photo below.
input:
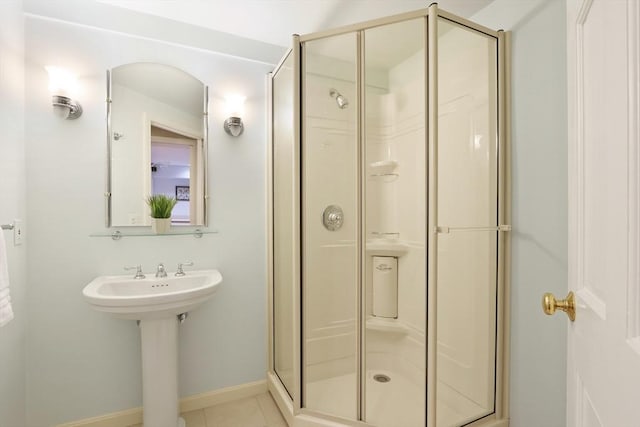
(381, 378)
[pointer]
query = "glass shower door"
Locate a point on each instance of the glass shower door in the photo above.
(467, 219)
(330, 227)
(394, 363)
(284, 244)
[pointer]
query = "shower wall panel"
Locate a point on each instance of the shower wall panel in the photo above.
(407, 83)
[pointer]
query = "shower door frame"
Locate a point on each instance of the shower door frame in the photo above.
(295, 414)
(288, 402)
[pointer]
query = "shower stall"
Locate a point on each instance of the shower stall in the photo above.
(388, 225)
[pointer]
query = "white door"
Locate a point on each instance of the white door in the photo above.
(603, 382)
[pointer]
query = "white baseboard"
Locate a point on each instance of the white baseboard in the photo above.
(191, 403)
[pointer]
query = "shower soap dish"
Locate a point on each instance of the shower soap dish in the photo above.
(383, 168)
(381, 247)
(387, 325)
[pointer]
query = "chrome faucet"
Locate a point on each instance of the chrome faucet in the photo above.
(161, 272)
(180, 272)
(139, 274)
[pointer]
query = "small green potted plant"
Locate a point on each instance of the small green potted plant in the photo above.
(161, 207)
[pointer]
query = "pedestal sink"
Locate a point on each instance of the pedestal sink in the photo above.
(156, 303)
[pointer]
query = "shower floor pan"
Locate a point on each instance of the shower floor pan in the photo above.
(396, 403)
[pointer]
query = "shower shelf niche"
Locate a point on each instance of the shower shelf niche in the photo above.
(383, 247)
(384, 168)
(387, 325)
(393, 176)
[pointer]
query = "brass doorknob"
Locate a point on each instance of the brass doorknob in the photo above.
(550, 304)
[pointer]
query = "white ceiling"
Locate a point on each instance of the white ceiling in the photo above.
(274, 21)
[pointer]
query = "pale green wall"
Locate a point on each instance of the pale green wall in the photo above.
(12, 205)
(539, 242)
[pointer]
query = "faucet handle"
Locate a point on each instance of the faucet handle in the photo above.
(139, 274)
(160, 270)
(180, 272)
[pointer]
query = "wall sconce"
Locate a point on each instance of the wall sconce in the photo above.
(235, 109)
(63, 86)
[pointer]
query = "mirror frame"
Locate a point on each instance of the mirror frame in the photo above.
(205, 153)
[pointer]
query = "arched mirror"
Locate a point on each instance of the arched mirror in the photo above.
(157, 143)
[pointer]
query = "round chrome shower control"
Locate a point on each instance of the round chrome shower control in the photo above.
(333, 217)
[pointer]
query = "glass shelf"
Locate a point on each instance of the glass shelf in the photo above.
(146, 232)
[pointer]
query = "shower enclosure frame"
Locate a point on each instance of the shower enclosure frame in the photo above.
(291, 405)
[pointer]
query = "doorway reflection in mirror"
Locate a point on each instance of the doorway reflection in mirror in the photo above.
(173, 170)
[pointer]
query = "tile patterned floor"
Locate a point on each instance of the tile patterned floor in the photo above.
(258, 411)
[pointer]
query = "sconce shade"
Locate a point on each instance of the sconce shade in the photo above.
(66, 107)
(62, 86)
(233, 126)
(234, 107)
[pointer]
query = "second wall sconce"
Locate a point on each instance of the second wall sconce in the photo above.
(235, 109)
(63, 85)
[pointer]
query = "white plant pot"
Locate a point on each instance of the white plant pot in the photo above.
(160, 225)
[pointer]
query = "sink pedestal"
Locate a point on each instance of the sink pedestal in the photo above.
(160, 372)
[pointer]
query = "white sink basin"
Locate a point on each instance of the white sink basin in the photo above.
(151, 298)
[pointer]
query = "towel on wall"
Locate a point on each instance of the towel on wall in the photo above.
(6, 312)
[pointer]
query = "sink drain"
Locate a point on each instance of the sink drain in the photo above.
(381, 378)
